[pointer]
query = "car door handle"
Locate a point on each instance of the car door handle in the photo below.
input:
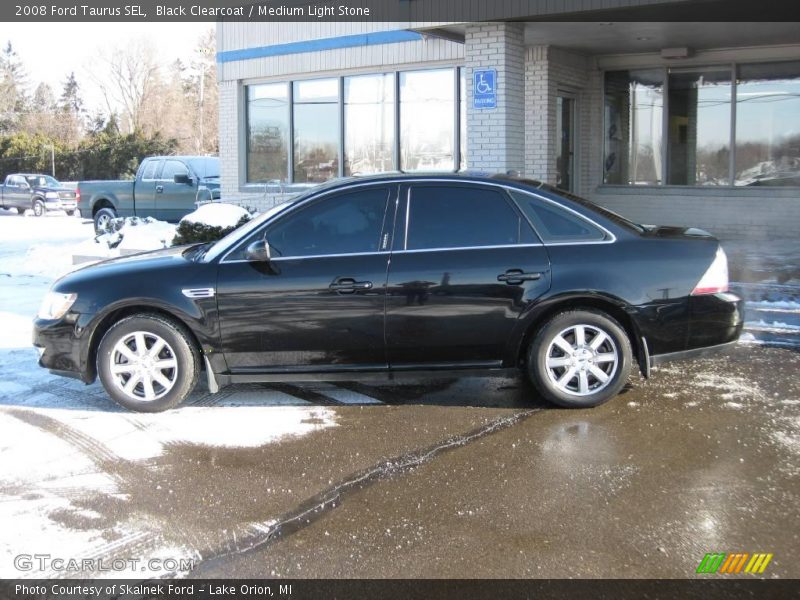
(348, 285)
(517, 276)
(159, 189)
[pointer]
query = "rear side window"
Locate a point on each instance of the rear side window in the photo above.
(555, 224)
(149, 169)
(462, 217)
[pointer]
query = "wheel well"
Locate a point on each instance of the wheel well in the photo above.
(120, 314)
(102, 203)
(614, 311)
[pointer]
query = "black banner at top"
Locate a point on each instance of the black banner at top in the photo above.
(446, 11)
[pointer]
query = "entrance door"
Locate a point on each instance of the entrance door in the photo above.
(565, 142)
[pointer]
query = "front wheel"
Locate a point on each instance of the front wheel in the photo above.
(148, 363)
(39, 209)
(580, 359)
(102, 219)
(70, 213)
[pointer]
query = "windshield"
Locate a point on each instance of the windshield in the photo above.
(206, 167)
(41, 181)
(608, 214)
(242, 232)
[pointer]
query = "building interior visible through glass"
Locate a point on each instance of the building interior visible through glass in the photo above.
(703, 138)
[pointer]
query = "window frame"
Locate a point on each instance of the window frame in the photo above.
(734, 67)
(457, 69)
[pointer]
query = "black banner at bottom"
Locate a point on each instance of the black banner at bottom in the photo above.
(407, 589)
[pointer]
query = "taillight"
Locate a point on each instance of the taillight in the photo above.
(77, 195)
(715, 279)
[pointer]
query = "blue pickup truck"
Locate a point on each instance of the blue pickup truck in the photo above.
(165, 187)
(38, 192)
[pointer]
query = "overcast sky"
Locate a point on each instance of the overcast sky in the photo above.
(50, 51)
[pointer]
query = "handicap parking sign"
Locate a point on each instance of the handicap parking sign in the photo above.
(484, 88)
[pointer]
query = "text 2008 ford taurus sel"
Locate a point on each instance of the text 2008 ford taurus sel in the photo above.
(392, 274)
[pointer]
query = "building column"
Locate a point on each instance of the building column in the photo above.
(496, 136)
(540, 116)
(230, 112)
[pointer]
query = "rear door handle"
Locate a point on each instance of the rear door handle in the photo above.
(517, 276)
(348, 285)
(159, 189)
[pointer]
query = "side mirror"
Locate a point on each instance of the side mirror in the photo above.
(258, 251)
(182, 178)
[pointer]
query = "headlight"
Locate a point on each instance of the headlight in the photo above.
(55, 305)
(53, 195)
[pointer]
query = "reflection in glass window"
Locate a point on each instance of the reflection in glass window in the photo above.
(368, 124)
(427, 120)
(342, 224)
(698, 131)
(768, 124)
(267, 132)
(316, 130)
(634, 103)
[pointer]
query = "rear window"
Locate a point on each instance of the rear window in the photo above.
(555, 224)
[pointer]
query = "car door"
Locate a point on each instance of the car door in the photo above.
(18, 193)
(175, 200)
(318, 305)
(145, 187)
(465, 264)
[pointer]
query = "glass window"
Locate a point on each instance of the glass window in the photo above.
(768, 124)
(633, 125)
(459, 217)
(554, 224)
(368, 124)
(341, 224)
(462, 117)
(427, 120)
(699, 127)
(267, 132)
(316, 130)
(172, 168)
(149, 170)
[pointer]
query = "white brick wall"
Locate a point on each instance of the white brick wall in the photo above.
(496, 137)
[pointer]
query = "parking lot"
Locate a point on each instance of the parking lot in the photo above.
(452, 478)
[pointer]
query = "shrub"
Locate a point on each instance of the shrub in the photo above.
(200, 233)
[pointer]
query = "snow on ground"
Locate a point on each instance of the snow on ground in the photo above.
(56, 433)
(217, 214)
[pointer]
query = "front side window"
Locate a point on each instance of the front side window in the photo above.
(368, 124)
(427, 120)
(172, 168)
(555, 224)
(462, 217)
(345, 223)
(267, 132)
(768, 125)
(316, 130)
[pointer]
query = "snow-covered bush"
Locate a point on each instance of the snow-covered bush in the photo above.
(136, 233)
(209, 223)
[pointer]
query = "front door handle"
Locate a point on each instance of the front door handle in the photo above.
(348, 285)
(159, 189)
(517, 276)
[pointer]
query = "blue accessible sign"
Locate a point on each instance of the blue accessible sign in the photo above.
(484, 88)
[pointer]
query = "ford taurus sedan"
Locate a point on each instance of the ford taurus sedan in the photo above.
(398, 274)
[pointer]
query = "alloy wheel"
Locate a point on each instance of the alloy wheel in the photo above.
(582, 360)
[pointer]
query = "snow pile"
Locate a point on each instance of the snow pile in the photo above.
(127, 235)
(217, 214)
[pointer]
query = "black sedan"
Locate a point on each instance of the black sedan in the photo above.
(398, 274)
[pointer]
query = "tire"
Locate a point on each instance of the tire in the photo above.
(179, 355)
(39, 208)
(102, 217)
(70, 213)
(575, 379)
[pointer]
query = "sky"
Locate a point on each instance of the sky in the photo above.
(74, 47)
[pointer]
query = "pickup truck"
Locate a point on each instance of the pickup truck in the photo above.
(38, 192)
(165, 187)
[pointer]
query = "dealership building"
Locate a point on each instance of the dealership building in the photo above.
(680, 123)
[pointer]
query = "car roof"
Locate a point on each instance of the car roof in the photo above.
(472, 176)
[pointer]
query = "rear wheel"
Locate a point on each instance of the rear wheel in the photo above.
(148, 363)
(580, 358)
(70, 213)
(102, 218)
(39, 209)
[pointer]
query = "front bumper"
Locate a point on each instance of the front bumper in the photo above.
(62, 348)
(61, 204)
